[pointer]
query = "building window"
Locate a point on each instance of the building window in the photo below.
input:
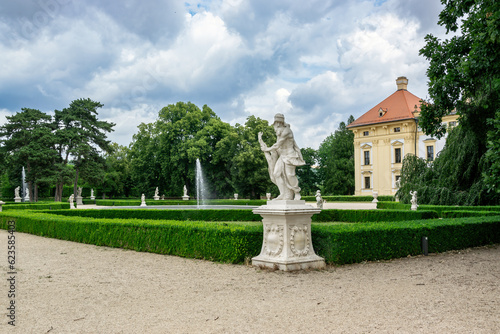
(397, 129)
(397, 155)
(367, 182)
(430, 153)
(366, 133)
(367, 157)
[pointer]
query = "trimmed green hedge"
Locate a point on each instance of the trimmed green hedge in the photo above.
(36, 206)
(350, 243)
(362, 216)
(438, 208)
(326, 215)
(348, 198)
(234, 242)
(464, 213)
(151, 202)
(209, 215)
(211, 241)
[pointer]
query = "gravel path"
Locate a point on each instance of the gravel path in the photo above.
(67, 287)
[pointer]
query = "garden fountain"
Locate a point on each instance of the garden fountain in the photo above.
(24, 185)
(201, 191)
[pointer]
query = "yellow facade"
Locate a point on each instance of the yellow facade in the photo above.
(379, 148)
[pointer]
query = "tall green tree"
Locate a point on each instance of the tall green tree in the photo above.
(336, 161)
(28, 137)
(308, 174)
(145, 167)
(80, 135)
(164, 153)
(115, 179)
(464, 76)
(250, 170)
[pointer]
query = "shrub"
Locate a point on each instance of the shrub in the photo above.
(211, 241)
(233, 242)
(180, 215)
(348, 198)
(361, 216)
(36, 206)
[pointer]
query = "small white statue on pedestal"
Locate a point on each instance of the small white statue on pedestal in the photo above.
(375, 195)
(268, 196)
(92, 193)
(27, 197)
(185, 196)
(156, 197)
(71, 200)
(235, 196)
(17, 198)
(143, 200)
(414, 204)
(319, 200)
(79, 198)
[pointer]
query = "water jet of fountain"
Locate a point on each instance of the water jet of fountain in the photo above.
(201, 190)
(24, 185)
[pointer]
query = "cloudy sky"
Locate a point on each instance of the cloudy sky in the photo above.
(316, 61)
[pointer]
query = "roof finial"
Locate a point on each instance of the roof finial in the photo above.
(402, 83)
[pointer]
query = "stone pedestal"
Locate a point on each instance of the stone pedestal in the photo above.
(79, 200)
(414, 206)
(18, 199)
(185, 198)
(72, 205)
(287, 243)
(92, 197)
(1, 203)
(156, 198)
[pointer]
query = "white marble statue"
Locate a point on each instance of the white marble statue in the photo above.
(17, 198)
(71, 200)
(282, 159)
(27, 197)
(185, 197)
(375, 196)
(156, 192)
(143, 200)
(156, 196)
(413, 201)
(268, 196)
(319, 200)
(235, 196)
(92, 193)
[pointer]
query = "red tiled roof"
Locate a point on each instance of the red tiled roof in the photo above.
(398, 106)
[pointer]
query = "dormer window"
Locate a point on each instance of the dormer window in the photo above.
(398, 129)
(381, 112)
(366, 133)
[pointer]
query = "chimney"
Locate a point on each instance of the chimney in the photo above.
(402, 83)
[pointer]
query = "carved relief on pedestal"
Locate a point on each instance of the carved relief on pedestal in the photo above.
(299, 240)
(273, 241)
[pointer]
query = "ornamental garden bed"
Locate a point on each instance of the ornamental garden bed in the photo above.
(237, 241)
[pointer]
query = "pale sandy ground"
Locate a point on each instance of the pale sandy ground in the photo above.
(67, 287)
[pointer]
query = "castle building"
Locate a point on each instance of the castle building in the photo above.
(385, 134)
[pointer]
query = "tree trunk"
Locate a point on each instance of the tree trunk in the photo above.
(75, 185)
(59, 192)
(35, 193)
